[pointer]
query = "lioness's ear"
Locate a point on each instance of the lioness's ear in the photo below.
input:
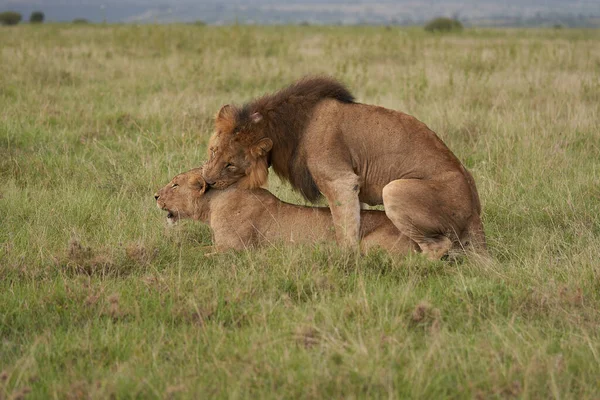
(198, 183)
(256, 117)
(261, 148)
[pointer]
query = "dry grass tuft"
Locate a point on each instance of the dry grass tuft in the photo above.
(174, 391)
(307, 336)
(139, 254)
(78, 253)
(21, 394)
(84, 260)
(114, 310)
(78, 391)
(425, 315)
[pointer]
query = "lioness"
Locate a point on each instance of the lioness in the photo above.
(242, 218)
(318, 138)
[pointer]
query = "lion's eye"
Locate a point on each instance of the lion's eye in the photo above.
(174, 185)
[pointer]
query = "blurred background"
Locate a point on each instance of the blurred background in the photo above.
(518, 13)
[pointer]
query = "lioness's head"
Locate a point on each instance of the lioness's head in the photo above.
(238, 150)
(180, 197)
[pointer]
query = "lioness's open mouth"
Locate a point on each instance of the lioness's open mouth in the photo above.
(172, 217)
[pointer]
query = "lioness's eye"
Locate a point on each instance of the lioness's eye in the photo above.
(174, 185)
(230, 166)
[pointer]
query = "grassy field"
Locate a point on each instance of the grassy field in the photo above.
(98, 298)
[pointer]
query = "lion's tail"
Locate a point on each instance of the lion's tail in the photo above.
(474, 238)
(476, 232)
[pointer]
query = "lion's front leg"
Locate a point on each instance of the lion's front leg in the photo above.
(342, 195)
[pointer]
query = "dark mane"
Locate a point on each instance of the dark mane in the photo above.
(286, 114)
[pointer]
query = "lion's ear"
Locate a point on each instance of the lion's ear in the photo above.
(225, 118)
(224, 112)
(261, 148)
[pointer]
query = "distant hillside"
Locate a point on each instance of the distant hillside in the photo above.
(585, 13)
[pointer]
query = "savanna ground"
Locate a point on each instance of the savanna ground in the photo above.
(99, 298)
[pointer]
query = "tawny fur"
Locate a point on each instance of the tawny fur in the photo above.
(243, 218)
(316, 137)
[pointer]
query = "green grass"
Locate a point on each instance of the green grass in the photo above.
(98, 298)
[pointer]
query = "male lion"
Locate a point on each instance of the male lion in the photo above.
(242, 218)
(316, 137)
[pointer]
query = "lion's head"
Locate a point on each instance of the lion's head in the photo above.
(238, 151)
(180, 197)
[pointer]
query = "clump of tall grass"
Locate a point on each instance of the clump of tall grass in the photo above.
(443, 24)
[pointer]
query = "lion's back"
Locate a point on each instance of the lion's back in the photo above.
(381, 146)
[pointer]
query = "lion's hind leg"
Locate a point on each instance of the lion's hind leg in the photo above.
(427, 212)
(389, 240)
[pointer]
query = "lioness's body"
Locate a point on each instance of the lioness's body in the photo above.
(242, 218)
(315, 136)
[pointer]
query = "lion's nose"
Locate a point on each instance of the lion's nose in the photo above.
(156, 196)
(210, 183)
